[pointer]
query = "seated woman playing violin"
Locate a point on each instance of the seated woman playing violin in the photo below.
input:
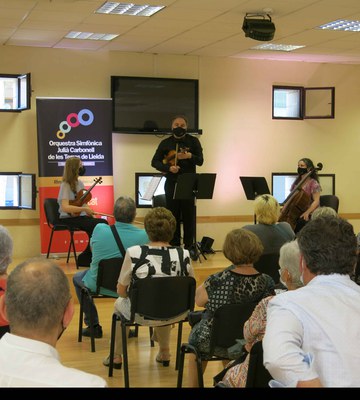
(304, 195)
(73, 204)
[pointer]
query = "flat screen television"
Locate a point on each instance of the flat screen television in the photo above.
(147, 185)
(281, 183)
(17, 191)
(143, 105)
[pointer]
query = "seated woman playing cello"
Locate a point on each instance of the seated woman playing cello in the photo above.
(78, 216)
(304, 195)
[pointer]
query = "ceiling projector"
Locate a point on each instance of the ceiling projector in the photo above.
(258, 28)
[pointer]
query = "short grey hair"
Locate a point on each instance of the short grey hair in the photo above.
(36, 296)
(6, 249)
(290, 259)
(323, 211)
(125, 209)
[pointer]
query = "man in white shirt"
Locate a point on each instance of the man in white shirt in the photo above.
(312, 334)
(39, 307)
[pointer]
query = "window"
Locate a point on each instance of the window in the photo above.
(297, 102)
(281, 184)
(319, 102)
(15, 92)
(287, 102)
(17, 190)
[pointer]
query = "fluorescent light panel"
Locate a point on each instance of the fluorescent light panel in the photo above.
(90, 36)
(342, 25)
(276, 47)
(144, 10)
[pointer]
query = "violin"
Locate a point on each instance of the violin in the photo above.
(171, 157)
(84, 196)
(298, 201)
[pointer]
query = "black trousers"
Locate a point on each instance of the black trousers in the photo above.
(184, 212)
(86, 224)
(300, 223)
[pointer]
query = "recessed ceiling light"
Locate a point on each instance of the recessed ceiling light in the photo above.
(90, 36)
(276, 47)
(144, 10)
(342, 25)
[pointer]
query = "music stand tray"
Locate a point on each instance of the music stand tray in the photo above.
(254, 186)
(191, 185)
(195, 186)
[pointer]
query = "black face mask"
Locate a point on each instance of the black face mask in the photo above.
(82, 171)
(179, 132)
(302, 171)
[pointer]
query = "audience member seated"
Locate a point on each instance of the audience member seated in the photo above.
(104, 246)
(240, 282)
(311, 337)
(273, 234)
(39, 308)
(6, 249)
(323, 212)
(157, 259)
(235, 374)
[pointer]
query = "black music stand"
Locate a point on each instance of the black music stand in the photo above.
(253, 187)
(195, 186)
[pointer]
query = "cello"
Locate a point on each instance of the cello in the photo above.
(297, 202)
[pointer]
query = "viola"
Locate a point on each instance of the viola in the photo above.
(171, 157)
(298, 201)
(84, 196)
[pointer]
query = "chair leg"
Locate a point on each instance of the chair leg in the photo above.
(186, 348)
(50, 241)
(151, 332)
(112, 343)
(81, 316)
(92, 328)
(181, 367)
(125, 354)
(199, 370)
(72, 243)
(178, 344)
(69, 248)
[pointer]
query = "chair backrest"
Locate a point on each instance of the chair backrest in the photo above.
(329, 200)
(258, 376)
(162, 298)
(228, 324)
(108, 273)
(159, 200)
(269, 264)
(51, 207)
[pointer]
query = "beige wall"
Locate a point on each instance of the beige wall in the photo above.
(239, 135)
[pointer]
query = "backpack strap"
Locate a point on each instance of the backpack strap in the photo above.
(183, 269)
(118, 240)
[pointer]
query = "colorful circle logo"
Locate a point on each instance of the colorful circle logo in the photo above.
(85, 117)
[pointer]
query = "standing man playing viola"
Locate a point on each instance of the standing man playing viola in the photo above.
(175, 155)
